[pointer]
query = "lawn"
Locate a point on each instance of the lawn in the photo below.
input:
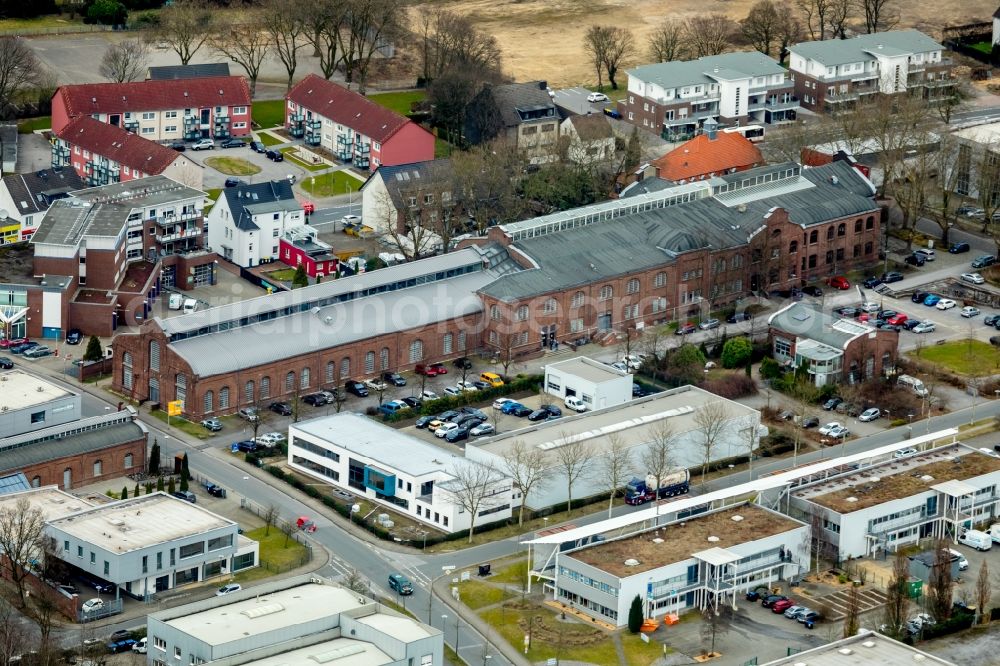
(515, 573)
(476, 594)
(330, 184)
(46, 22)
(277, 550)
(287, 152)
(182, 424)
(400, 102)
(442, 148)
(284, 275)
(982, 47)
(31, 124)
(269, 112)
(966, 357)
(269, 139)
(212, 194)
(233, 166)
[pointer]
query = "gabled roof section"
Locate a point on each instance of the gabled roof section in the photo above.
(804, 321)
(833, 52)
(203, 70)
(592, 127)
(703, 155)
(730, 66)
(117, 145)
(414, 177)
(523, 102)
(346, 107)
(165, 95)
(34, 192)
(245, 201)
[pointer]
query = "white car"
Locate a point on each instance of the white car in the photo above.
(91, 605)
(870, 414)
(453, 391)
(633, 361)
(483, 429)
(839, 432)
(575, 403)
(466, 386)
(969, 311)
(924, 327)
(963, 563)
(444, 429)
(376, 384)
(269, 438)
(869, 307)
(203, 144)
(945, 304)
(228, 589)
(974, 278)
(500, 402)
(833, 425)
(428, 394)
(597, 97)
(904, 453)
(925, 252)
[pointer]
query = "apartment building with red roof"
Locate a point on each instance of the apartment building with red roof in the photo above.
(354, 128)
(102, 154)
(161, 110)
(710, 154)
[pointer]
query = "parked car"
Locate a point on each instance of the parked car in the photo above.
(6, 363)
(945, 304)
(179, 146)
(919, 296)
(771, 599)
(269, 439)
(520, 411)
(74, 336)
(424, 421)
(439, 368)
(234, 182)
(892, 276)
(686, 328)
(969, 311)
(898, 319)
(597, 97)
(974, 278)
(737, 317)
(315, 399)
(926, 253)
(258, 147)
(482, 429)
(453, 391)
(141, 645)
(781, 605)
(847, 311)
(959, 248)
(837, 433)
(829, 427)
(248, 414)
(915, 260)
(274, 155)
(510, 406)
(38, 352)
(413, 402)
(356, 388)
(233, 143)
(203, 144)
(931, 300)
(810, 422)
(812, 290)
(870, 414)
(904, 453)
(467, 386)
(839, 282)
(924, 327)
(758, 592)
(228, 589)
(426, 370)
(281, 407)
(463, 363)
(808, 618)
(444, 429)
(792, 611)
(458, 434)
(832, 403)
(709, 324)
(91, 605)
(213, 424)
(376, 385)
(575, 403)
(984, 261)
(871, 282)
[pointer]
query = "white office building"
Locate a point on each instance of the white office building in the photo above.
(597, 384)
(29, 403)
(301, 621)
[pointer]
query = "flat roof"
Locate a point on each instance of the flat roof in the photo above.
(19, 390)
(678, 406)
(392, 448)
(680, 540)
(397, 626)
(343, 651)
(52, 502)
(267, 611)
(863, 649)
(899, 478)
(587, 369)
(140, 522)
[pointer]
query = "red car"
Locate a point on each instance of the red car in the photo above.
(782, 605)
(839, 282)
(898, 319)
(308, 207)
(686, 328)
(428, 370)
(7, 342)
(439, 369)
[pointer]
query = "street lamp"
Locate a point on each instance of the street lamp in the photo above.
(909, 426)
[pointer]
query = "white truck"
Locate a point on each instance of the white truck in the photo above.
(976, 539)
(174, 302)
(994, 532)
(913, 384)
(190, 305)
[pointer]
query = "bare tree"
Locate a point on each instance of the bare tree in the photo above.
(526, 467)
(710, 35)
(449, 40)
(815, 13)
(608, 47)
(19, 69)
(13, 640)
(983, 593)
(355, 581)
(244, 43)
(615, 466)
(44, 612)
(657, 457)
(485, 183)
(897, 604)
(762, 25)
(21, 542)
(852, 619)
(715, 621)
(789, 32)
(880, 15)
(838, 14)
(473, 489)
(668, 42)
(939, 587)
(185, 26)
(284, 21)
(125, 61)
(573, 459)
(270, 516)
(711, 422)
(367, 25)
(322, 20)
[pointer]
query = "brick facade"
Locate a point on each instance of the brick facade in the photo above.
(83, 467)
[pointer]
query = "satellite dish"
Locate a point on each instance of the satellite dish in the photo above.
(4, 214)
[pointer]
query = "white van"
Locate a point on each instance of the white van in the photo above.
(174, 302)
(574, 403)
(963, 563)
(914, 385)
(976, 539)
(190, 305)
(994, 532)
(140, 645)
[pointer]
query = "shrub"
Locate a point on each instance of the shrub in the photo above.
(635, 615)
(770, 369)
(730, 385)
(736, 353)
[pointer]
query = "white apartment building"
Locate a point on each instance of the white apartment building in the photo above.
(247, 222)
(832, 74)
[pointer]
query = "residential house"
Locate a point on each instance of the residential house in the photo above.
(420, 193)
(196, 71)
(24, 198)
(247, 221)
(975, 171)
(299, 246)
(522, 114)
(161, 110)
(675, 98)
(831, 348)
(590, 139)
(834, 74)
(710, 154)
(355, 129)
(102, 154)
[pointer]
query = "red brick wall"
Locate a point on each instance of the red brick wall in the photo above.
(112, 466)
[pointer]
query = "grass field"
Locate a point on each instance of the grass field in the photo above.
(31, 124)
(284, 275)
(269, 140)
(399, 102)
(330, 184)
(287, 152)
(46, 22)
(233, 166)
(966, 357)
(983, 47)
(212, 194)
(269, 112)
(185, 426)
(476, 594)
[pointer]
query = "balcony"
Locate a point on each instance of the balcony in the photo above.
(60, 155)
(853, 76)
(131, 126)
(173, 235)
(692, 118)
(778, 105)
(165, 220)
(296, 117)
(787, 84)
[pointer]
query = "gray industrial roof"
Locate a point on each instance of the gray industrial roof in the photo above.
(303, 332)
(805, 321)
(149, 191)
(833, 52)
(70, 445)
(739, 64)
(863, 649)
(69, 220)
(8, 141)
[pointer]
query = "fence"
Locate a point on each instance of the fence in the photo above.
(68, 29)
(285, 527)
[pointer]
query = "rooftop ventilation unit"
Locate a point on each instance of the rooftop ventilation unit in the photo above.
(851, 499)
(713, 539)
(631, 562)
(736, 519)
(261, 611)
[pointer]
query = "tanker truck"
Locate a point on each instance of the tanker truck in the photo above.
(639, 491)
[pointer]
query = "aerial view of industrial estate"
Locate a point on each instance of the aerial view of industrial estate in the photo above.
(536, 332)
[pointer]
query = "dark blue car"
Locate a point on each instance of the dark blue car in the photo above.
(510, 407)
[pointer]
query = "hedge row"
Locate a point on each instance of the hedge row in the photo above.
(960, 619)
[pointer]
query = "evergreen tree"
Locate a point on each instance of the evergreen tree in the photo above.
(633, 151)
(184, 483)
(149, 487)
(154, 459)
(171, 488)
(135, 491)
(300, 279)
(635, 615)
(94, 351)
(159, 484)
(185, 470)
(124, 493)
(319, 278)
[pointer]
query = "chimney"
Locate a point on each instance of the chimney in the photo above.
(543, 85)
(711, 128)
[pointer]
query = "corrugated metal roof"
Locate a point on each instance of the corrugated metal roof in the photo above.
(70, 445)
